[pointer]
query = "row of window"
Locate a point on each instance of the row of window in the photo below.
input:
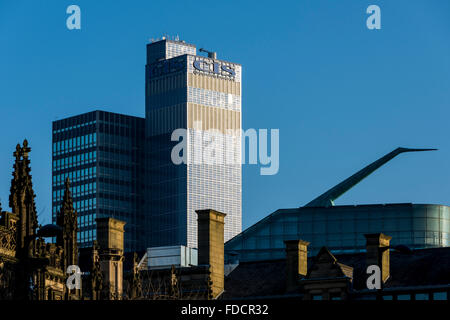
(86, 236)
(74, 144)
(402, 227)
(86, 220)
(77, 191)
(420, 296)
(75, 160)
(75, 176)
(79, 206)
(86, 204)
(417, 296)
(81, 125)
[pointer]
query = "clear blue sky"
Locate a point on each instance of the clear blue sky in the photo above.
(341, 95)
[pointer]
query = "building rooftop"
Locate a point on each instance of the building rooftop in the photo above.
(173, 40)
(423, 267)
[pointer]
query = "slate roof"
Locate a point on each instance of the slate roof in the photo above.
(423, 267)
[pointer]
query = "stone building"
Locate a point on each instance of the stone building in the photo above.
(33, 269)
(30, 268)
(405, 274)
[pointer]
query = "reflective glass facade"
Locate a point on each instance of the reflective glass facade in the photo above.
(341, 229)
(102, 154)
(201, 95)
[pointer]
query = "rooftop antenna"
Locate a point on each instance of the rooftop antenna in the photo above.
(327, 199)
(211, 54)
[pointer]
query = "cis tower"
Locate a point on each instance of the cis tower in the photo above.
(201, 95)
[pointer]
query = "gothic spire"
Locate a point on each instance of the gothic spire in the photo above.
(21, 199)
(67, 204)
(67, 220)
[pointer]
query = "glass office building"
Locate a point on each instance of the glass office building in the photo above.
(341, 229)
(102, 154)
(203, 96)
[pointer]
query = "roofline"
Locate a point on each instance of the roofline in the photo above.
(97, 110)
(327, 199)
(195, 56)
(173, 41)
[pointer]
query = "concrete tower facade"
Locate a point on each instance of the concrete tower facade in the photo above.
(202, 96)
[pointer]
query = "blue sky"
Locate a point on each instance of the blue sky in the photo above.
(340, 94)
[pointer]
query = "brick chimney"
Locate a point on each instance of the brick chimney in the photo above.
(296, 262)
(377, 246)
(211, 246)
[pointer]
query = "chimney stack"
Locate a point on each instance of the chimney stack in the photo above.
(296, 262)
(211, 246)
(110, 237)
(377, 247)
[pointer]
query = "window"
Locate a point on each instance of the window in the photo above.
(422, 296)
(440, 296)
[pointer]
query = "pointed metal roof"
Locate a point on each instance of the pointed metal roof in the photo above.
(327, 199)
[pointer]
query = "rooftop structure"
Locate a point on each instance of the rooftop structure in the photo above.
(420, 275)
(341, 228)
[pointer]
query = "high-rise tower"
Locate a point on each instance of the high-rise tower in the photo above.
(102, 155)
(203, 96)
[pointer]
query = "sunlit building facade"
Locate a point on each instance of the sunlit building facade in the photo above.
(203, 96)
